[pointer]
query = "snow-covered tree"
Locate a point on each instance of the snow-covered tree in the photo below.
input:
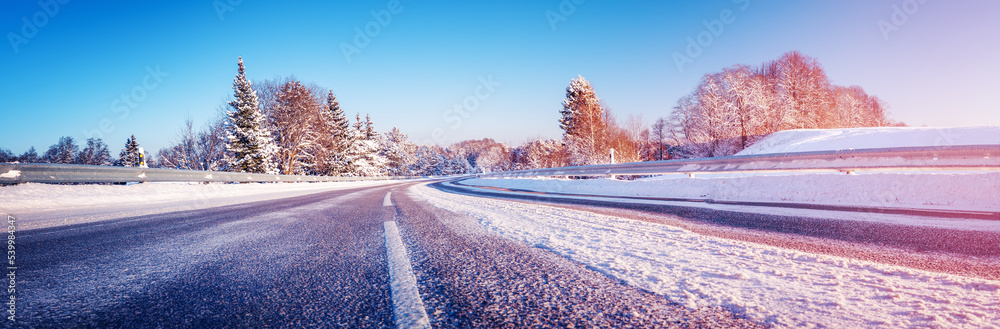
(732, 109)
(493, 159)
(363, 154)
(294, 122)
(202, 150)
(248, 142)
(454, 164)
(428, 161)
(538, 154)
(803, 88)
(583, 124)
(855, 108)
(436, 161)
(63, 151)
(96, 153)
(129, 156)
(399, 152)
(333, 139)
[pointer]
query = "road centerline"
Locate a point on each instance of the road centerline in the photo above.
(407, 306)
(387, 202)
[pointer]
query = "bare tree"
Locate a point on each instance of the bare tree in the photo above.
(732, 109)
(293, 122)
(802, 85)
(659, 136)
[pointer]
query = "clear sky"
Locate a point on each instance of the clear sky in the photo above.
(64, 73)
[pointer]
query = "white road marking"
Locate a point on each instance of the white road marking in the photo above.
(406, 303)
(387, 202)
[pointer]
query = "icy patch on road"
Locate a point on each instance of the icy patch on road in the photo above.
(783, 287)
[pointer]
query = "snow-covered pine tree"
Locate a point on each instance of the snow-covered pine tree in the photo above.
(248, 142)
(398, 152)
(456, 164)
(352, 149)
(364, 158)
(129, 157)
(583, 124)
(427, 161)
(334, 139)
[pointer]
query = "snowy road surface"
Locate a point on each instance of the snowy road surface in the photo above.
(318, 260)
(410, 254)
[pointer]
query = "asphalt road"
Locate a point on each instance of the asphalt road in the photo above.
(316, 261)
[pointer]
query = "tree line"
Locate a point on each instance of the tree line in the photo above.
(730, 110)
(727, 112)
(66, 151)
(282, 125)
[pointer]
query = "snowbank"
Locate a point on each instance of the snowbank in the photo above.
(806, 140)
(939, 191)
(44, 205)
(783, 287)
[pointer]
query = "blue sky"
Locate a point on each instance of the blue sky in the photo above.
(939, 67)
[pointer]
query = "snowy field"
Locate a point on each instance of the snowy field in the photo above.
(806, 140)
(45, 205)
(783, 287)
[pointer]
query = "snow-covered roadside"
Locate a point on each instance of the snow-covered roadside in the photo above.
(939, 191)
(805, 140)
(772, 285)
(45, 205)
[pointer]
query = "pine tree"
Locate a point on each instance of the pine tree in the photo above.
(129, 157)
(456, 164)
(334, 139)
(427, 161)
(363, 156)
(338, 120)
(248, 142)
(398, 152)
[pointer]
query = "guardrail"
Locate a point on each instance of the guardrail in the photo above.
(12, 173)
(938, 158)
